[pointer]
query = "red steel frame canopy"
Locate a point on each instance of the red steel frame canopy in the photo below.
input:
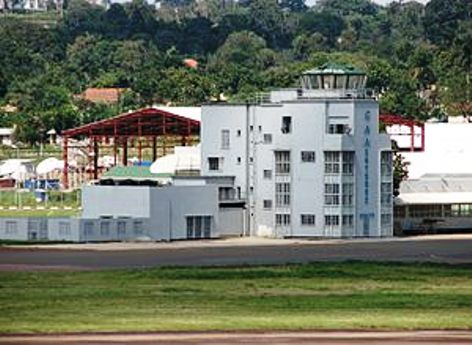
(389, 119)
(149, 123)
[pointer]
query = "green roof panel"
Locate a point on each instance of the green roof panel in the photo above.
(132, 173)
(335, 68)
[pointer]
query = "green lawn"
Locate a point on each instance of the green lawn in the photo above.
(314, 296)
(39, 213)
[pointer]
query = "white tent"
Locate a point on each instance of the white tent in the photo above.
(184, 158)
(49, 165)
(18, 169)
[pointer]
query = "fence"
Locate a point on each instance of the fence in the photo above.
(21, 198)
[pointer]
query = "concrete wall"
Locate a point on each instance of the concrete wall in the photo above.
(115, 201)
(310, 121)
(116, 229)
(170, 206)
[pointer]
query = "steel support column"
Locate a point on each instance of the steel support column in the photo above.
(154, 148)
(96, 152)
(125, 151)
(65, 172)
(115, 145)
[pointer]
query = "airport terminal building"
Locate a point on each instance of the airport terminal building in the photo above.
(305, 162)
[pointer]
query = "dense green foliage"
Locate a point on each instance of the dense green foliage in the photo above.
(418, 57)
(352, 295)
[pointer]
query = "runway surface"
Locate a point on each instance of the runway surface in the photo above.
(445, 249)
(233, 338)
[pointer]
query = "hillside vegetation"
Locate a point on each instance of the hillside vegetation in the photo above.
(418, 57)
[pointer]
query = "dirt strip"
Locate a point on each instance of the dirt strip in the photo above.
(232, 338)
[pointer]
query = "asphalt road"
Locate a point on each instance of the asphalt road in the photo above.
(454, 250)
(272, 338)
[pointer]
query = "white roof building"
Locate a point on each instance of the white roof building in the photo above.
(447, 151)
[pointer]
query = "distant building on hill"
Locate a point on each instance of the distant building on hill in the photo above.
(102, 95)
(6, 136)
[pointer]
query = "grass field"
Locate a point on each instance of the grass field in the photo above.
(40, 213)
(352, 295)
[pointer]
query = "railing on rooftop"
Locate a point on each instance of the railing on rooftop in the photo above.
(281, 95)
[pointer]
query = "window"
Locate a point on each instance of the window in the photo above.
(282, 219)
(104, 228)
(308, 156)
(399, 211)
(331, 195)
(348, 220)
(207, 226)
(190, 227)
(286, 124)
(338, 129)
(226, 193)
(282, 162)
(225, 139)
(386, 193)
(267, 204)
(282, 194)
(121, 227)
(64, 228)
(213, 163)
(458, 210)
(386, 167)
(348, 162)
(11, 227)
(238, 160)
(385, 219)
(198, 226)
(260, 128)
(238, 133)
(307, 219)
(331, 161)
(331, 220)
(267, 174)
(425, 211)
(348, 194)
(138, 227)
(88, 228)
(251, 128)
(267, 138)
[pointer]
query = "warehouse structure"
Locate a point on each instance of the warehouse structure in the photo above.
(437, 197)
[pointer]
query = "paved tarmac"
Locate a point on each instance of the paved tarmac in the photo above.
(446, 249)
(255, 338)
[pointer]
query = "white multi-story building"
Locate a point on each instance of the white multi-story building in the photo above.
(308, 161)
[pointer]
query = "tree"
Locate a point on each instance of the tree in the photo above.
(268, 20)
(116, 22)
(328, 24)
(443, 17)
(347, 7)
(306, 44)
(83, 17)
(400, 172)
(293, 5)
(41, 106)
(183, 86)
